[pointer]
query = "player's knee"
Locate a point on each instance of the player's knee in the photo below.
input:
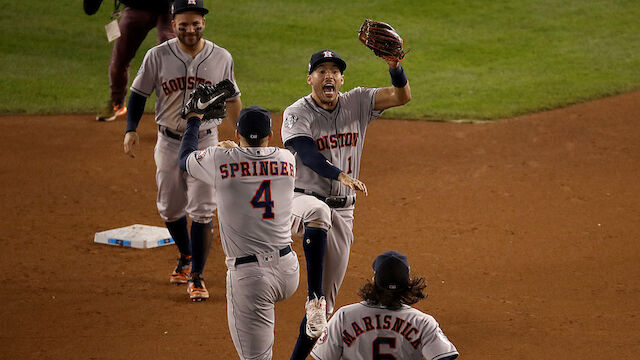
(319, 217)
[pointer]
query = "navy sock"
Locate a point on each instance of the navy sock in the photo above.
(314, 244)
(200, 245)
(304, 344)
(180, 234)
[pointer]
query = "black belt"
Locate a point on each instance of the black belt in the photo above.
(253, 258)
(176, 136)
(332, 201)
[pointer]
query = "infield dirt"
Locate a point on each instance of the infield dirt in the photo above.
(526, 229)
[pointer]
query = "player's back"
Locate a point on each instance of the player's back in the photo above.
(365, 332)
(254, 189)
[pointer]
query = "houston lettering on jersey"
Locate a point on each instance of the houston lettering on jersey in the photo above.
(386, 322)
(257, 168)
(337, 140)
(182, 83)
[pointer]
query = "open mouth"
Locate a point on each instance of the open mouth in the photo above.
(328, 90)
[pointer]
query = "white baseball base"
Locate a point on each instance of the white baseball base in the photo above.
(135, 236)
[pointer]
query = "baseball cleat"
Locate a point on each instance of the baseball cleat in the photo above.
(182, 272)
(316, 317)
(196, 289)
(111, 111)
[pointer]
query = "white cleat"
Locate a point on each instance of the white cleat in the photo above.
(316, 317)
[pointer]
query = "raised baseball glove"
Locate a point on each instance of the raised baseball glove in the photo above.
(209, 100)
(382, 39)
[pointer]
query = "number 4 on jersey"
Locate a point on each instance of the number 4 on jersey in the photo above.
(262, 199)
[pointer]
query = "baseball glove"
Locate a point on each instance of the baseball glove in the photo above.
(209, 100)
(382, 39)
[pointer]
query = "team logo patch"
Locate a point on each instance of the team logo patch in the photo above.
(323, 337)
(327, 53)
(200, 155)
(191, 2)
(290, 121)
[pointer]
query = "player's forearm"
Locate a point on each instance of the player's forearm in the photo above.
(189, 142)
(312, 158)
(400, 82)
(135, 109)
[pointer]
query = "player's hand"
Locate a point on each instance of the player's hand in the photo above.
(352, 183)
(227, 144)
(391, 62)
(131, 140)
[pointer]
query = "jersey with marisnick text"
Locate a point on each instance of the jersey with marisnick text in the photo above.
(364, 332)
(338, 135)
(174, 74)
(254, 190)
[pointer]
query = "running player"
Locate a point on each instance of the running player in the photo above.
(326, 130)
(254, 185)
(173, 69)
(383, 325)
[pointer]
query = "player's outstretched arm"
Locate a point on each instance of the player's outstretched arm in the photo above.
(396, 95)
(352, 183)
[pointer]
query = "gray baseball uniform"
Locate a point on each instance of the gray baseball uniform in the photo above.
(255, 193)
(361, 331)
(339, 136)
(173, 74)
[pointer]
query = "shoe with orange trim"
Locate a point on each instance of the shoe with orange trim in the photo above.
(196, 289)
(182, 272)
(111, 111)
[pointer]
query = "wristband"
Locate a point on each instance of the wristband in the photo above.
(398, 77)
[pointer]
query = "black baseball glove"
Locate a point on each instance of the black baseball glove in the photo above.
(209, 100)
(382, 39)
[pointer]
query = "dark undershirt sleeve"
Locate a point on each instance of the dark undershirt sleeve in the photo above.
(135, 109)
(189, 142)
(311, 157)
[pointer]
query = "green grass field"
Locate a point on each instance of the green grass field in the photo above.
(468, 60)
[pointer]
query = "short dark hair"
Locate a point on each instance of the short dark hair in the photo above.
(254, 142)
(394, 299)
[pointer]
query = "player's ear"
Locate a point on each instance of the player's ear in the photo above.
(270, 135)
(204, 20)
(309, 79)
(237, 135)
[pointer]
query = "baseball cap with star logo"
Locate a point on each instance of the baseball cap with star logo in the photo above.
(324, 56)
(180, 6)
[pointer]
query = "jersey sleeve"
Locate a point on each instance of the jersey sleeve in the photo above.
(144, 82)
(366, 98)
(294, 124)
(201, 165)
(435, 345)
(329, 344)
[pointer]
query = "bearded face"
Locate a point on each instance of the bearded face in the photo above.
(188, 27)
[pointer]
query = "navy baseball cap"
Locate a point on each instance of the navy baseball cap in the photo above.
(391, 270)
(324, 56)
(180, 6)
(254, 122)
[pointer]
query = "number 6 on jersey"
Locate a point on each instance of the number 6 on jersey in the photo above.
(264, 191)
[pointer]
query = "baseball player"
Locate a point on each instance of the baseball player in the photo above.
(326, 131)
(173, 69)
(254, 185)
(383, 325)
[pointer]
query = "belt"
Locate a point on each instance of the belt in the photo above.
(333, 201)
(177, 136)
(253, 258)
